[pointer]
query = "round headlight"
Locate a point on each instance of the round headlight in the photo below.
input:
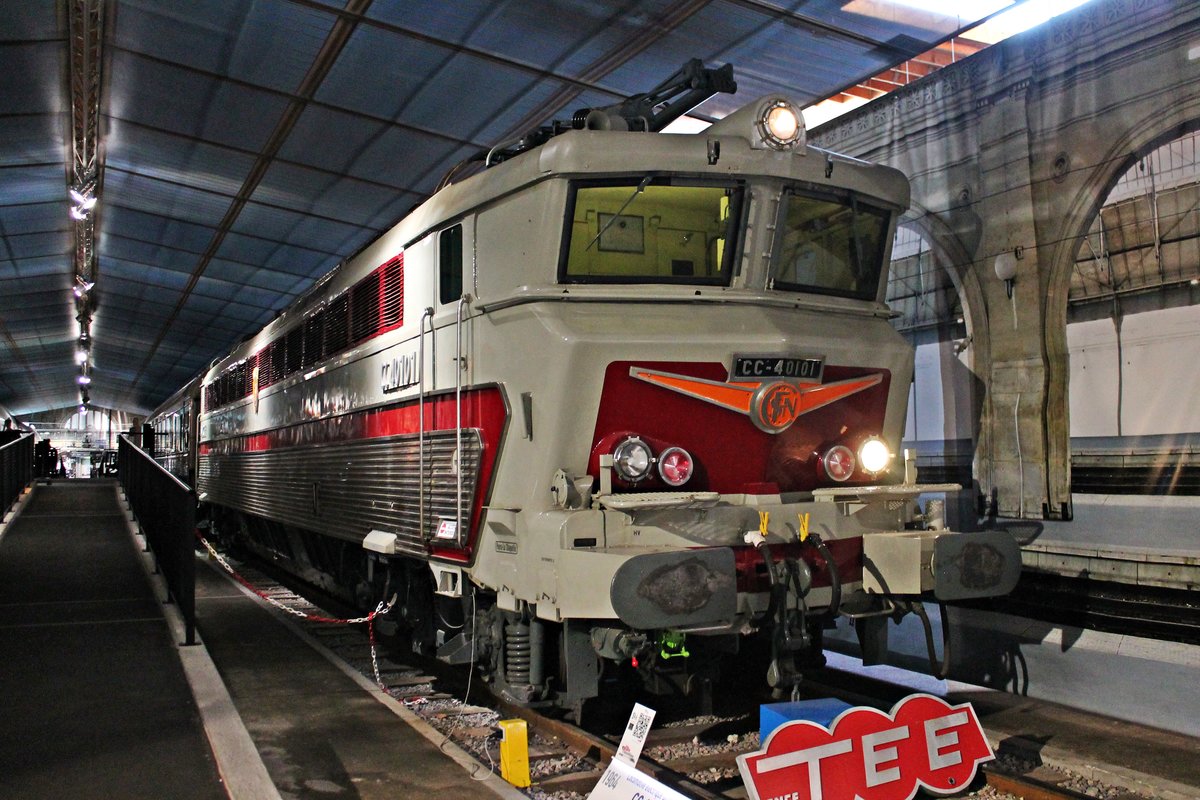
(874, 455)
(780, 124)
(632, 460)
(838, 462)
(675, 466)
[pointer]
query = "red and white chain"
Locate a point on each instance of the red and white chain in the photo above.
(369, 619)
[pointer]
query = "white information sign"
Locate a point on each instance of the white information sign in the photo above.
(622, 781)
(636, 731)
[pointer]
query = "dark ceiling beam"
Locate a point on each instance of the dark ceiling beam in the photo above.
(338, 36)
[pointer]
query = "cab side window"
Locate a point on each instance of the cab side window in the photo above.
(450, 265)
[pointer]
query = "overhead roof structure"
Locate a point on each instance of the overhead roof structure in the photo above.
(239, 149)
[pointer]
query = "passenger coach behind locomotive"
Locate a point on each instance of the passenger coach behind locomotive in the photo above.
(622, 396)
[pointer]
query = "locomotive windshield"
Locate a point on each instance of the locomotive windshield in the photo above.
(830, 245)
(652, 230)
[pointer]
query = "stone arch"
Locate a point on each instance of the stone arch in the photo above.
(951, 254)
(1088, 195)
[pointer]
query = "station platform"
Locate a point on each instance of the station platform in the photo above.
(102, 699)
(96, 703)
(1147, 540)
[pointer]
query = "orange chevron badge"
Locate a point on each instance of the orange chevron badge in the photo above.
(771, 405)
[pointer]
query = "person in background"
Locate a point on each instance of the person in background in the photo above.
(9, 434)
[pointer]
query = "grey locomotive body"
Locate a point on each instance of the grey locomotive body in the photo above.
(625, 397)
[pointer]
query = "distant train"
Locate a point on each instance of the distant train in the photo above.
(622, 397)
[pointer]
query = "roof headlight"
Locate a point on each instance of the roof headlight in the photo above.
(874, 455)
(780, 125)
(632, 460)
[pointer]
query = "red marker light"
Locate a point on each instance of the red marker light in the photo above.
(675, 466)
(838, 462)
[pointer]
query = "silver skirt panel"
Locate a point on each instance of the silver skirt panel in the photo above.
(347, 489)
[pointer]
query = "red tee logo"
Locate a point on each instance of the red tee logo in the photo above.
(871, 755)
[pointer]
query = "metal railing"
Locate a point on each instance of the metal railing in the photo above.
(16, 470)
(165, 509)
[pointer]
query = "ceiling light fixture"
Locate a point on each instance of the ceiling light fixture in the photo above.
(84, 200)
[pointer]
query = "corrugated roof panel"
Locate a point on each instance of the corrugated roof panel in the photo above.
(227, 291)
(243, 274)
(452, 21)
(215, 329)
(267, 43)
(329, 138)
(432, 177)
(205, 302)
(30, 81)
(322, 194)
(378, 71)
(555, 30)
(31, 139)
(43, 183)
(19, 302)
(450, 99)
(35, 244)
(31, 267)
(12, 290)
(34, 217)
(30, 19)
(176, 158)
(289, 226)
(141, 274)
(347, 143)
(142, 193)
(193, 104)
(275, 255)
(129, 223)
(147, 256)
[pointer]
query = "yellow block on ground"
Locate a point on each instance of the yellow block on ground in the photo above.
(514, 752)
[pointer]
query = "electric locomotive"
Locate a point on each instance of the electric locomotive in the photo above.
(619, 398)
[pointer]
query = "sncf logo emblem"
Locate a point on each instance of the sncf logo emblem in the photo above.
(775, 406)
(772, 405)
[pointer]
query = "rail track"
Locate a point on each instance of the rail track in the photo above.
(695, 756)
(1171, 615)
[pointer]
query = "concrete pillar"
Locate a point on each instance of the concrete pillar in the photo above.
(1015, 463)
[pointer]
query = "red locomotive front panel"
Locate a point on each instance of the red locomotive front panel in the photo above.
(725, 425)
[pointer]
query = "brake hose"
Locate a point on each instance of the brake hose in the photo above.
(939, 669)
(835, 580)
(773, 594)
